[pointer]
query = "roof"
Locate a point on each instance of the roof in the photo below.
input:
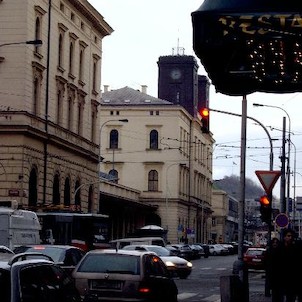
(129, 96)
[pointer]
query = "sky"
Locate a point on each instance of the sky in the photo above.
(145, 30)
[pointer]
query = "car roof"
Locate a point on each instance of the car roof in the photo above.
(119, 252)
(58, 246)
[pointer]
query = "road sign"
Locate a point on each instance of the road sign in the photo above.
(268, 179)
(282, 220)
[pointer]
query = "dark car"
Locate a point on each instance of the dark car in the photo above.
(198, 251)
(184, 251)
(32, 277)
(67, 256)
(120, 275)
(206, 249)
(178, 266)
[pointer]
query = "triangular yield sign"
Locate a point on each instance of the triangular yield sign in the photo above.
(268, 179)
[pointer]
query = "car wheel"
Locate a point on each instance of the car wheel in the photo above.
(215, 253)
(206, 256)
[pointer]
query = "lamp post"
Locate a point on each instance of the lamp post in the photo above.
(288, 155)
(33, 42)
(167, 189)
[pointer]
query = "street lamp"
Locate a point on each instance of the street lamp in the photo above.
(167, 188)
(289, 143)
(33, 42)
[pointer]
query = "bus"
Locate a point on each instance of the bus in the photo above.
(85, 230)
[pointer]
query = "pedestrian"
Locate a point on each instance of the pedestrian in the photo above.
(284, 268)
(269, 274)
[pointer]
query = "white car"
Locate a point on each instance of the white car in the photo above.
(218, 249)
(177, 266)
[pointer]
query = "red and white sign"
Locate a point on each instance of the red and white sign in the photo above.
(268, 179)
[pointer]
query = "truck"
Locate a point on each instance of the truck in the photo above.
(18, 227)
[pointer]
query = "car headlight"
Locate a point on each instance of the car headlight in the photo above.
(189, 264)
(169, 263)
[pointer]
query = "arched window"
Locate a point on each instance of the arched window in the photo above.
(113, 176)
(154, 139)
(60, 51)
(90, 199)
(56, 190)
(153, 180)
(67, 192)
(77, 199)
(32, 190)
(113, 139)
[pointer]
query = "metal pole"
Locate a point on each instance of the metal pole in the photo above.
(282, 187)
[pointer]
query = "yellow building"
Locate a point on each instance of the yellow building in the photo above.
(49, 102)
(157, 148)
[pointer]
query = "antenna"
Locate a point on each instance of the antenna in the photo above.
(178, 51)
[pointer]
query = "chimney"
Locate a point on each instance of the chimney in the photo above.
(144, 88)
(106, 88)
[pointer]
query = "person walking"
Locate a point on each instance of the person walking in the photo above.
(283, 269)
(271, 283)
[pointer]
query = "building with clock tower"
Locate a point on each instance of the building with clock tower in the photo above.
(179, 82)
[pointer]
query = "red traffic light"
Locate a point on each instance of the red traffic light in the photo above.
(264, 200)
(204, 112)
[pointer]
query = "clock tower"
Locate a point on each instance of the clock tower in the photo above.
(178, 81)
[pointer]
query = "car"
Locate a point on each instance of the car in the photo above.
(121, 275)
(178, 266)
(184, 251)
(198, 251)
(67, 256)
(33, 277)
(5, 249)
(218, 250)
(254, 258)
(206, 249)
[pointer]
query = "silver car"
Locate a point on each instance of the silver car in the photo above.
(119, 275)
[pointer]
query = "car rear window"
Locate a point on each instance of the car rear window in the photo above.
(106, 263)
(255, 252)
(54, 253)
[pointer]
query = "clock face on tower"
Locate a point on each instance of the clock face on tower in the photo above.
(175, 74)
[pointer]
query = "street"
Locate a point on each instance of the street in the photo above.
(203, 285)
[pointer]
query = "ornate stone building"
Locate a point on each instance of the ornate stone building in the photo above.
(49, 102)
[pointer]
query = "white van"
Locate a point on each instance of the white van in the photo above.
(120, 243)
(18, 227)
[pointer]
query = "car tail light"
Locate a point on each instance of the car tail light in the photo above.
(144, 290)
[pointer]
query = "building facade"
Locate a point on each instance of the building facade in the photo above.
(49, 103)
(161, 152)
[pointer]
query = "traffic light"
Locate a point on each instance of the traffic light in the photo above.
(265, 209)
(205, 119)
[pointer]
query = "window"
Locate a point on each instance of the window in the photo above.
(39, 12)
(113, 176)
(70, 109)
(60, 99)
(95, 73)
(153, 180)
(81, 105)
(56, 190)
(37, 82)
(67, 192)
(154, 140)
(62, 30)
(77, 196)
(113, 139)
(83, 45)
(94, 114)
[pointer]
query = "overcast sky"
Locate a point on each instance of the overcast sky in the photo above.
(144, 30)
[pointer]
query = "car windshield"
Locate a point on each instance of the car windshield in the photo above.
(107, 263)
(160, 251)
